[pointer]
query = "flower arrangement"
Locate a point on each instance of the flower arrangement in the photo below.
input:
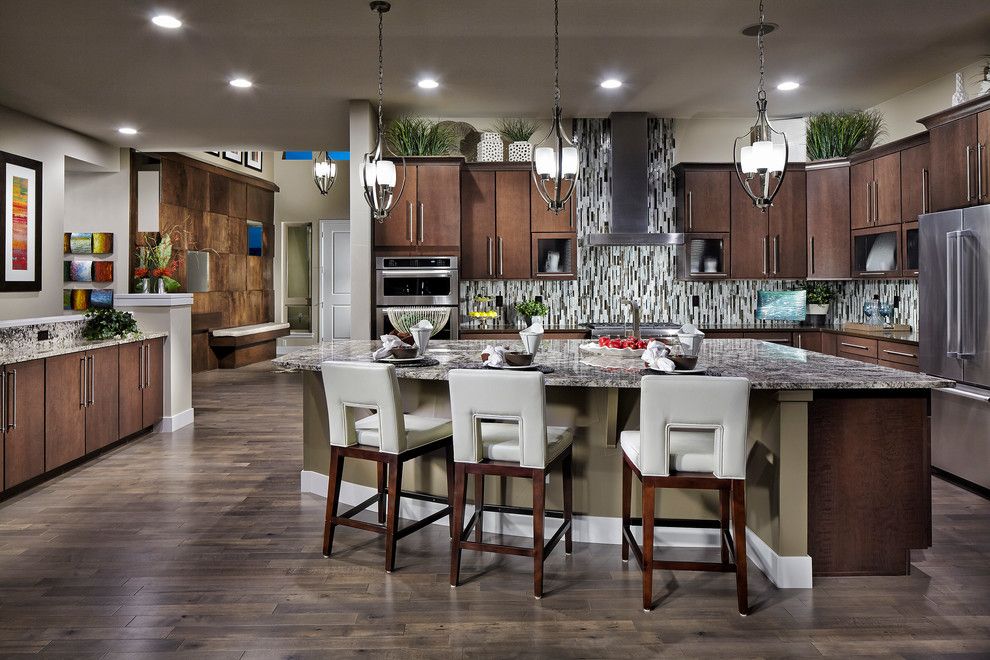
(155, 261)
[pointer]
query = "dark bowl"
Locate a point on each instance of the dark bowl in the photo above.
(404, 353)
(684, 361)
(406, 337)
(517, 359)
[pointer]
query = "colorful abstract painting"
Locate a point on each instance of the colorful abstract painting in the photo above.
(78, 271)
(20, 227)
(76, 299)
(81, 243)
(19, 223)
(101, 298)
(102, 242)
(103, 271)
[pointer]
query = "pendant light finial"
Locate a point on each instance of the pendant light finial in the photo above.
(761, 155)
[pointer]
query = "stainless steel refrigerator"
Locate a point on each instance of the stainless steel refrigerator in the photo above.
(954, 326)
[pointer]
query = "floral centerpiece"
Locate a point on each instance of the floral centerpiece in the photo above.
(156, 263)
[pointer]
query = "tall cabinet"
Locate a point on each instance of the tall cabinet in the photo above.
(22, 422)
(770, 243)
(495, 226)
(828, 219)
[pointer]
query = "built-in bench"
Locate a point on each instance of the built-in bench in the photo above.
(246, 344)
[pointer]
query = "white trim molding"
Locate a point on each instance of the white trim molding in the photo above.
(784, 572)
(153, 300)
(178, 421)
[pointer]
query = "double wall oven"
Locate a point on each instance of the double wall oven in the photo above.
(417, 282)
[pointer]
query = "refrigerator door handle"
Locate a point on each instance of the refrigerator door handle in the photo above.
(967, 393)
(952, 294)
(966, 303)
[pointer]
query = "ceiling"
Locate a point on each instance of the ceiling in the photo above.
(95, 65)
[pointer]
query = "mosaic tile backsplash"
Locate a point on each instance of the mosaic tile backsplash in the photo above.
(607, 274)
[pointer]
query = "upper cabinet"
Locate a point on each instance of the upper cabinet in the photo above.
(960, 164)
(875, 191)
(543, 219)
(703, 197)
(427, 216)
(771, 243)
(828, 215)
(915, 189)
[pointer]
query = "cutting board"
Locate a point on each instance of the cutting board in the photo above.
(863, 327)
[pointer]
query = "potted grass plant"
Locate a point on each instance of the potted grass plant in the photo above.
(841, 134)
(418, 136)
(516, 132)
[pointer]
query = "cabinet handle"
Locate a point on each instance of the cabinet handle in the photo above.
(501, 265)
(812, 255)
(924, 190)
(798, 341)
(13, 396)
(141, 368)
(908, 355)
(979, 171)
(969, 175)
(491, 263)
(690, 210)
(859, 346)
(409, 226)
(421, 214)
(876, 202)
(147, 368)
(776, 255)
(92, 380)
(82, 382)
(765, 255)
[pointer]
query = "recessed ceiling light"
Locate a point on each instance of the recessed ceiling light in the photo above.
(611, 83)
(167, 22)
(788, 85)
(240, 82)
(428, 83)
(127, 130)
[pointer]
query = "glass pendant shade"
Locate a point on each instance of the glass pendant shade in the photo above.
(324, 172)
(761, 159)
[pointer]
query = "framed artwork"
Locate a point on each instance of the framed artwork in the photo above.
(77, 271)
(102, 242)
(232, 156)
(253, 159)
(20, 233)
(103, 271)
(101, 298)
(75, 299)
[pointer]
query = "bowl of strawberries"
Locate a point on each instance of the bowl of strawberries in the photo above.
(627, 347)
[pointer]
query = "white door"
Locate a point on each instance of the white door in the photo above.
(335, 279)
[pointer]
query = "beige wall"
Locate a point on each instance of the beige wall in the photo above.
(711, 139)
(51, 144)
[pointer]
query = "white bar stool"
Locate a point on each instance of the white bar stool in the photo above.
(389, 438)
(500, 429)
(692, 435)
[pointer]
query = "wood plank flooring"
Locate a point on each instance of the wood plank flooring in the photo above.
(199, 544)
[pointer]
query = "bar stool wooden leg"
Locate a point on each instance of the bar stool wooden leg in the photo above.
(568, 466)
(723, 510)
(649, 499)
(381, 469)
(459, 503)
(449, 460)
(479, 504)
(336, 474)
(626, 501)
(539, 501)
(739, 523)
(392, 520)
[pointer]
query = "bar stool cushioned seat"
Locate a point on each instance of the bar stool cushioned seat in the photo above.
(500, 442)
(420, 430)
(687, 453)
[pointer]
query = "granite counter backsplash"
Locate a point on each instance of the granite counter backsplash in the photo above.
(21, 343)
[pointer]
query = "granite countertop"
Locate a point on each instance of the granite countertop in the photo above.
(908, 337)
(22, 351)
(767, 366)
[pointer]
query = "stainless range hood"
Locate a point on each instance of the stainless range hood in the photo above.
(628, 166)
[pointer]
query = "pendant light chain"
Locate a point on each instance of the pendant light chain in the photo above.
(761, 93)
(556, 56)
(381, 70)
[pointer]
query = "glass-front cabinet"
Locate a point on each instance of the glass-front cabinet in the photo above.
(703, 256)
(876, 252)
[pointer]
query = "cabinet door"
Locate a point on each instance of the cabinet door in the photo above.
(809, 340)
(914, 183)
(102, 397)
(398, 230)
(788, 228)
(545, 220)
(23, 449)
(130, 392)
(706, 201)
(65, 409)
(951, 168)
(477, 224)
(783, 338)
(512, 240)
(154, 390)
(439, 219)
(750, 244)
(861, 194)
(983, 137)
(887, 190)
(828, 223)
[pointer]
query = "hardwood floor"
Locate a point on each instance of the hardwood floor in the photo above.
(199, 543)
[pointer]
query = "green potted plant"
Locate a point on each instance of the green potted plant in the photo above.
(819, 297)
(109, 323)
(418, 136)
(841, 134)
(533, 311)
(517, 132)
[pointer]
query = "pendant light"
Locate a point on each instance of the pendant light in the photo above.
(324, 171)
(378, 174)
(761, 154)
(555, 158)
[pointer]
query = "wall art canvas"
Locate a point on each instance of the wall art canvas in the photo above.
(232, 156)
(20, 234)
(79, 243)
(253, 160)
(76, 299)
(101, 298)
(78, 271)
(102, 242)
(103, 271)
(781, 305)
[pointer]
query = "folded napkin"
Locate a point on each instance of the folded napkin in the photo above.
(655, 357)
(535, 329)
(389, 344)
(496, 356)
(422, 325)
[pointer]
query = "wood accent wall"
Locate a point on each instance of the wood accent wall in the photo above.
(212, 207)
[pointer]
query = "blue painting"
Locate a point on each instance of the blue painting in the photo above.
(101, 298)
(781, 305)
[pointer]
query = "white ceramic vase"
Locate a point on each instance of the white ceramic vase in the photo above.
(491, 149)
(817, 310)
(520, 152)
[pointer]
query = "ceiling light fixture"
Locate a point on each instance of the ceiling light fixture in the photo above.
(428, 83)
(555, 158)
(788, 85)
(127, 130)
(761, 154)
(167, 22)
(242, 83)
(324, 171)
(611, 83)
(378, 173)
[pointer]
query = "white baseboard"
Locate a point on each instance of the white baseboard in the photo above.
(785, 572)
(179, 420)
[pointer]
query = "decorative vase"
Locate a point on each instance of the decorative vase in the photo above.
(960, 94)
(491, 149)
(530, 320)
(520, 152)
(817, 310)
(160, 285)
(143, 285)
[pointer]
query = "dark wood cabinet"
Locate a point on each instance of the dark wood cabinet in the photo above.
(828, 220)
(809, 340)
(952, 147)
(543, 219)
(983, 157)
(396, 231)
(154, 391)
(101, 398)
(477, 224)
(65, 409)
(887, 190)
(703, 198)
(512, 225)
(22, 423)
(130, 392)
(915, 190)
(861, 195)
(427, 215)
(750, 251)
(771, 243)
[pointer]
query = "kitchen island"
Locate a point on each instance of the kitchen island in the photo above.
(837, 473)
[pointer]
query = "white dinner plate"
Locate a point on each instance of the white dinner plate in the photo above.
(397, 360)
(683, 372)
(592, 347)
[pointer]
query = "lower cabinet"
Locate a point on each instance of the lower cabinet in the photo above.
(65, 409)
(141, 385)
(22, 422)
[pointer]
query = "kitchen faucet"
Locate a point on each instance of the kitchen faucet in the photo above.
(634, 306)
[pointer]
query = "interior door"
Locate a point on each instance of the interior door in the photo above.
(936, 290)
(439, 220)
(65, 409)
(130, 395)
(397, 230)
(335, 279)
(789, 229)
(952, 177)
(513, 245)
(477, 224)
(24, 441)
(102, 398)
(887, 190)
(750, 248)
(861, 195)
